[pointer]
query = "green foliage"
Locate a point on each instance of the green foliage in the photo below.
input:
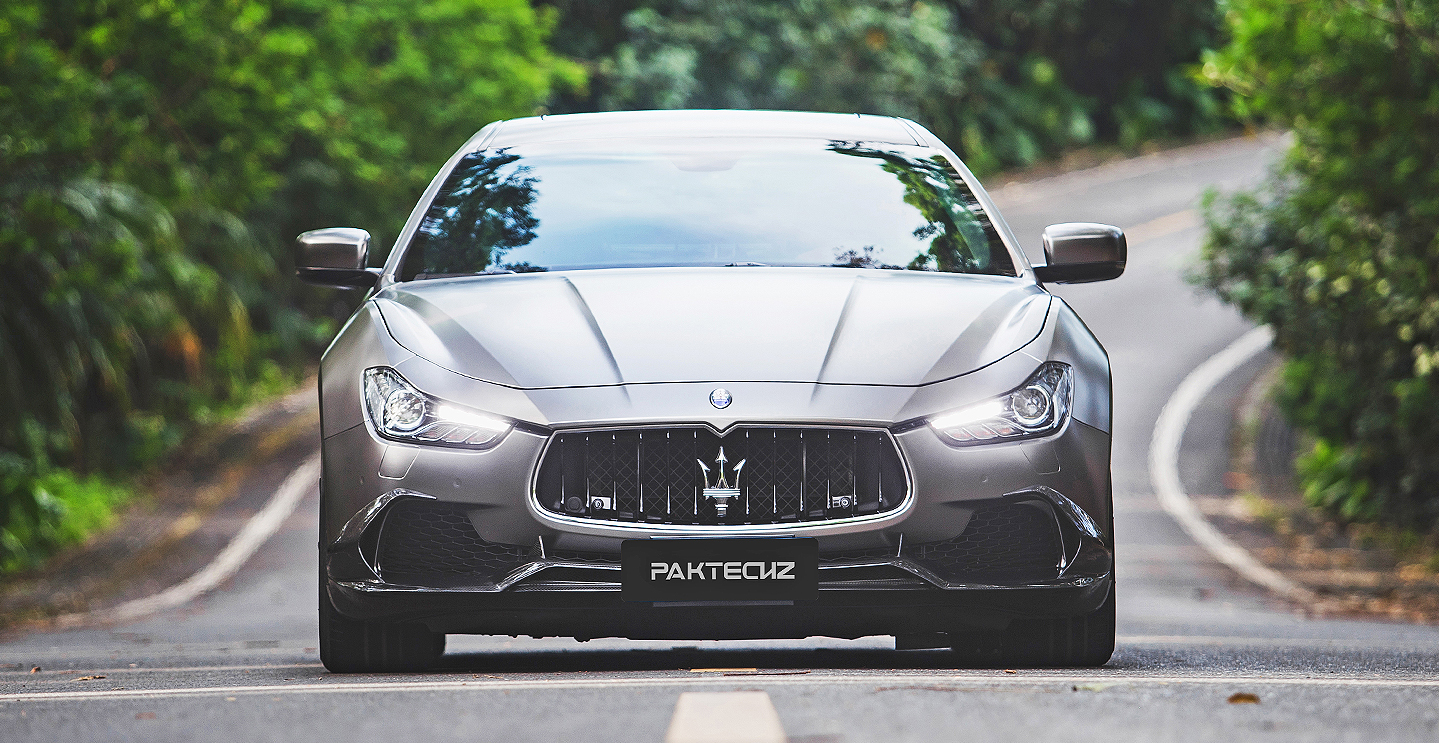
(1005, 81)
(156, 159)
(1341, 252)
(63, 508)
(887, 57)
(1127, 58)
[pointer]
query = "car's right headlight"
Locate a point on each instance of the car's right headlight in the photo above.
(1038, 407)
(403, 413)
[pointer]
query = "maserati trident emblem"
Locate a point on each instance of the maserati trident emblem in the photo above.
(722, 491)
(721, 398)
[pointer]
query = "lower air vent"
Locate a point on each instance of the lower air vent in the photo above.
(1002, 538)
(426, 538)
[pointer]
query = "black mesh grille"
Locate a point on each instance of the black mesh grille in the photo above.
(876, 552)
(423, 538)
(1002, 537)
(655, 475)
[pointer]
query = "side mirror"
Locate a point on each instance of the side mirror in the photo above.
(1077, 252)
(335, 257)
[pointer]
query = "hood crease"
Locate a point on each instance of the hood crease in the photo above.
(620, 327)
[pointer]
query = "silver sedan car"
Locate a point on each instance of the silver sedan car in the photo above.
(714, 375)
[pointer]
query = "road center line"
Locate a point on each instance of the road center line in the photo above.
(725, 717)
(1169, 224)
(973, 682)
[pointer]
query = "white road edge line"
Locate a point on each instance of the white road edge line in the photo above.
(1164, 465)
(255, 533)
(962, 682)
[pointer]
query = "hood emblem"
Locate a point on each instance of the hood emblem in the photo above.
(721, 398)
(722, 492)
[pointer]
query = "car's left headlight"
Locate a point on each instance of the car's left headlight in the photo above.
(403, 413)
(1038, 407)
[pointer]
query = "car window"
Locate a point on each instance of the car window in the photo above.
(704, 203)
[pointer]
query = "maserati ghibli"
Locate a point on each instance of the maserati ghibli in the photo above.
(714, 375)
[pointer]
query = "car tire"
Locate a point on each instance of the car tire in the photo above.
(355, 646)
(1085, 640)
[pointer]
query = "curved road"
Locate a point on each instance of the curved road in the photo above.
(240, 663)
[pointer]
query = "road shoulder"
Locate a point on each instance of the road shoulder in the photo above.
(188, 515)
(1352, 570)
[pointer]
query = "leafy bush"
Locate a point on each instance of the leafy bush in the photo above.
(1005, 81)
(156, 159)
(63, 508)
(1340, 253)
(1128, 59)
(838, 55)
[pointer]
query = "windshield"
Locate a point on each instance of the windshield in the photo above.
(704, 203)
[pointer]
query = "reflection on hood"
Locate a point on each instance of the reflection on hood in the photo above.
(603, 327)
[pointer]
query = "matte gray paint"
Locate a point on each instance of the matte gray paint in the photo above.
(364, 343)
(618, 347)
(363, 340)
(333, 247)
(617, 326)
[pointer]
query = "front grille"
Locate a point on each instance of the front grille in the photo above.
(673, 475)
(1002, 538)
(426, 538)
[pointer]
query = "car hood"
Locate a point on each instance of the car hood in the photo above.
(738, 324)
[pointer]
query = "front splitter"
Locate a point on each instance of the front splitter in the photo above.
(587, 614)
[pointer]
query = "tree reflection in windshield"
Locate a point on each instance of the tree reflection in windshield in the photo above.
(955, 224)
(773, 203)
(862, 258)
(483, 211)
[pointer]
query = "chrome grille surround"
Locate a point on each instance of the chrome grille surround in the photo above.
(793, 478)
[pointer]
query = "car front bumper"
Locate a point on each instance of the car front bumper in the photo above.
(878, 575)
(861, 593)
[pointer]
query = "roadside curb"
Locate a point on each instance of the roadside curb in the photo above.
(1164, 466)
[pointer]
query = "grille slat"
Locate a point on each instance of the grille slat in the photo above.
(654, 475)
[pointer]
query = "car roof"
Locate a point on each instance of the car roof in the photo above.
(694, 123)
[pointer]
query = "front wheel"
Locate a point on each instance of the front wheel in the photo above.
(1085, 640)
(355, 646)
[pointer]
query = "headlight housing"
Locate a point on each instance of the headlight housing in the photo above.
(1038, 407)
(403, 413)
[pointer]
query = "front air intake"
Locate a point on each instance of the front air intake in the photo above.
(425, 538)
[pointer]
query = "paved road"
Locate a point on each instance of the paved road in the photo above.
(240, 663)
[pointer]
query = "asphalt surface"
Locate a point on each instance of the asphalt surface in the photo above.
(240, 663)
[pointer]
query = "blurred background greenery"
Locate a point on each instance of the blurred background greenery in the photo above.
(158, 156)
(1340, 253)
(1005, 82)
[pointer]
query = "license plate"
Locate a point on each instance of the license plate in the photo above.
(736, 569)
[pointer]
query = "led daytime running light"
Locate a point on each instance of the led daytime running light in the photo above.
(401, 412)
(1038, 407)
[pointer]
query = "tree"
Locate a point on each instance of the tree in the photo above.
(156, 159)
(1341, 252)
